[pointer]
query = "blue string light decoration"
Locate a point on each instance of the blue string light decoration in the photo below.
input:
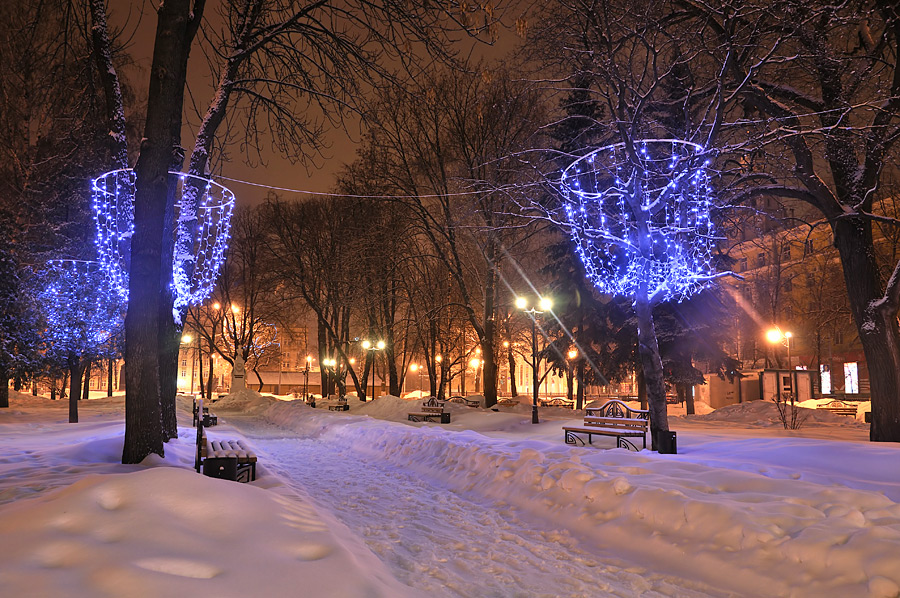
(194, 269)
(640, 218)
(82, 310)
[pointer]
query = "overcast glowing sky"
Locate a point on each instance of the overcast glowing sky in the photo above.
(138, 23)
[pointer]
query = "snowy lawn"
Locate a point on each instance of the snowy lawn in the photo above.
(364, 503)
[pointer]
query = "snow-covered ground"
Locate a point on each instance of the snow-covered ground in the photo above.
(364, 503)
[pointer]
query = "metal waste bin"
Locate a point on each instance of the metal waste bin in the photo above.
(665, 442)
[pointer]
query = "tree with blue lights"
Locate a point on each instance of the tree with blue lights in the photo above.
(82, 312)
(639, 214)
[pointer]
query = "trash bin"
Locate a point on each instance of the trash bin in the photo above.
(666, 443)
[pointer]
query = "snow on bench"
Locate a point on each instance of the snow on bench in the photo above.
(839, 408)
(225, 459)
(432, 410)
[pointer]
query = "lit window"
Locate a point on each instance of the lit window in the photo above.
(851, 378)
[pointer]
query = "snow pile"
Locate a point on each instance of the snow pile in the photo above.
(746, 532)
(393, 408)
(765, 413)
(170, 532)
(244, 401)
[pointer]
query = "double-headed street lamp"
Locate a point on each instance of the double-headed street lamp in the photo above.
(369, 346)
(545, 304)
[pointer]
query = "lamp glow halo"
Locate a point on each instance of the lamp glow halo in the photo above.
(641, 220)
(194, 268)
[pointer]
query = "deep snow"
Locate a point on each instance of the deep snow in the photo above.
(364, 503)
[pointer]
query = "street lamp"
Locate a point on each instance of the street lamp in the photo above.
(187, 341)
(777, 336)
(545, 304)
(570, 383)
(306, 379)
(369, 346)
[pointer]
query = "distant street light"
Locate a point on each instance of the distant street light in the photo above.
(572, 354)
(368, 346)
(545, 305)
(776, 336)
(306, 379)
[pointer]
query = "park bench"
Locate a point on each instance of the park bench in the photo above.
(341, 405)
(432, 410)
(508, 402)
(558, 402)
(472, 402)
(613, 418)
(208, 418)
(839, 408)
(225, 459)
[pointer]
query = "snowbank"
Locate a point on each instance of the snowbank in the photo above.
(749, 533)
(765, 413)
(170, 532)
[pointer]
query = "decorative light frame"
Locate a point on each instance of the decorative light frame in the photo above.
(639, 215)
(194, 269)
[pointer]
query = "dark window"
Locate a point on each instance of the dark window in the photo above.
(808, 247)
(788, 286)
(760, 260)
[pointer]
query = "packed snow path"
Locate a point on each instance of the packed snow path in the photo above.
(444, 542)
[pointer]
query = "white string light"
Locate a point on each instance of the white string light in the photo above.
(82, 310)
(643, 219)
(194, 269)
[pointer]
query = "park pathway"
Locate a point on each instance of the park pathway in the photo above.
(445, 543)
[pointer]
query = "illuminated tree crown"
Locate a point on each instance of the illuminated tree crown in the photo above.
(639, 214)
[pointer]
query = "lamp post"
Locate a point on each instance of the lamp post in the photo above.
(306, 379)
(777, 336)
(570, 382)
(328, 364)
(187, 340)
(369, 346)
(545, 304)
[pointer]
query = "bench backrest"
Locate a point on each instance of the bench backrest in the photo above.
(837, 404)
(431, 404)
(616, 408)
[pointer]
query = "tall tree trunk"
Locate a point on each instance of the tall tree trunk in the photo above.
(115, 108)
(75, 371)
(209, 380)
(86, 389)
(169, 329)
(144, 433)
(489, 370)
(511, 360)
(579, 400)
(648, 347)
(877, 323)
(570, 383)
(4, 391)
(109, 376)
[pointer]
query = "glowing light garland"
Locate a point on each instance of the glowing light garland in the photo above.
(81, 308)
(641, 222)
(194, 268)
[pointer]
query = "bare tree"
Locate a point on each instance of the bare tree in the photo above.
(453, 157)
(831, 106)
